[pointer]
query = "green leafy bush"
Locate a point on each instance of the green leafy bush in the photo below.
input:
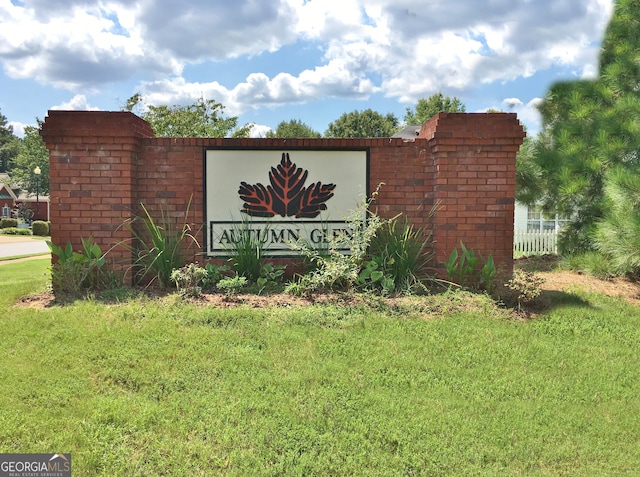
(463, 269)
(189, 279)
(270, 275)
(214, 273)
(16, 231)
(232, 285)
(75, 273)
(8, 222)
(334, 269)
(40, 228)
(526, 285)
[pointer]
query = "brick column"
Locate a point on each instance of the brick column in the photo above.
(93, 159)
(474, 157)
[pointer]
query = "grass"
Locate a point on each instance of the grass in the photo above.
(159, 387)
(17, 257)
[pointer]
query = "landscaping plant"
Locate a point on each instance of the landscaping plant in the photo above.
(401, 253)
(340, 268)
(189, 279)
(40, 228)
(246, 249)
(16, 231)
(7, 222)
(158, 244)
(214, 273)
(232, 285)
(75, 273)
(526, 285)
(463, 269)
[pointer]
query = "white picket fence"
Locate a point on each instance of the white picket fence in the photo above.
(535, 243)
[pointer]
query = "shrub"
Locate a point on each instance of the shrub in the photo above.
(7, 222)
(188, 279)
(40, 228)
(75, 273)
(16, 231)
(592, 263)
(214, 273)
(526, 285)
(335, 270)
(232, 285)
(270, 275)
(463, 269)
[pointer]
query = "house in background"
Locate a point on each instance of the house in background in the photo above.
(12, 196)
(535, 233)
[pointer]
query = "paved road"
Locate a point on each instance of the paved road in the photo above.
(12, 246)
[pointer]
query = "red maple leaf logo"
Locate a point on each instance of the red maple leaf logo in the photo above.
(286, 195)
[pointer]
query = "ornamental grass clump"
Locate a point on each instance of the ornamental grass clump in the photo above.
(401, 253)
(158, 244)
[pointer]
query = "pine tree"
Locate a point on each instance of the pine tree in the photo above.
(593, 127)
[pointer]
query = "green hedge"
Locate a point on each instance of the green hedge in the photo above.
(7, 222)
(16, 231)
(40, 228)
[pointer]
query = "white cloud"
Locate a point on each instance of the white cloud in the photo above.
(528, 113)
(398, 47)
(259, 130)
(77, 103)
(18, 128)
(335, 79)
(512, 103)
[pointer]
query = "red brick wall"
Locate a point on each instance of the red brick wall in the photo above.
(104, 164)
(474, 183)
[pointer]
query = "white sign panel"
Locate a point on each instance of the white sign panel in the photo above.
(280, 196)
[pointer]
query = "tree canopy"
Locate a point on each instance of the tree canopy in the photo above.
(32, 153)
(204, 118)
(8, 144)
(293, 128)
(429, 107)
(367, 123)
(593, 128)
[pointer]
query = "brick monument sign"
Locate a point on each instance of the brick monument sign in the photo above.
(103, 165)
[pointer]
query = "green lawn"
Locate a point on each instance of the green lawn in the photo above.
(157, 387)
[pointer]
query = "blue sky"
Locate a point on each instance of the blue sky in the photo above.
(313, 60)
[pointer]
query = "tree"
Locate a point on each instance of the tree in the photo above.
(204, 118)
(293, 128)
(530, 180)
(593, 129)
(429, 107)
(32, 153)
(366, 123)
(618, 235)
(8, 144)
